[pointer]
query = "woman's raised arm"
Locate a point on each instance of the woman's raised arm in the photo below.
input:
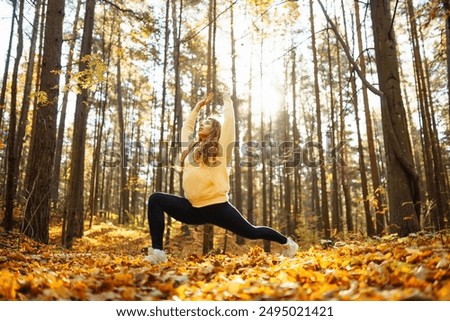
(188, 126)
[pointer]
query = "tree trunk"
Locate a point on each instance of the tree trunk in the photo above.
(12, 160)
(331, 134)
(62, 116)
(237, 157)
(208, 230)
(376, 185)
(251, 162)
(37, 85)
(325, 218)
(362, 168)
(75, 200)
(447, 45)
(159, 167)
(8, 57)
(290, 229)
(124, 187)
(96, 168)
(98, 171)
(135, 172)
(265, 213)
(37, 211)
(24, 113)
(402, 180)
(342, 114)
(296, 145)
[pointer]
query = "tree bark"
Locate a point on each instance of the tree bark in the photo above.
(344, 170)
(62, 116)
(98, 171)
(376, 184)
(124, 186)
(159, 167)
(296, 145)
(8, 57)
(75, 200)
(237, 156)
(265, 212)
(362, 169)
(325, 218)
(208, 230)
(42, 150)
(402, 180)
(447, 45)
(331, 134)
(13, 161)
(24, 113)
(250, 163)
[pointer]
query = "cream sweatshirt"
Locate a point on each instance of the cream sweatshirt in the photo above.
(206, 185)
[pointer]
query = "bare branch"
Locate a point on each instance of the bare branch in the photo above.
(355, 66)
(125, 10)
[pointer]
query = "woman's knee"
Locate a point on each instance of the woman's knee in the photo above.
(154, 199)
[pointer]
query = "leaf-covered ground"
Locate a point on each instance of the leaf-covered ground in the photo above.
(108, 264)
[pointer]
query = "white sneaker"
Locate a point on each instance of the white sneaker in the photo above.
(291, 248)
(155, 256)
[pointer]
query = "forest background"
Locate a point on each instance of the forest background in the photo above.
(342, 107)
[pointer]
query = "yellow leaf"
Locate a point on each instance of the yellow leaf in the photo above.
(123, 278)
(7, 285)
(443, 293)
(41, 97)
(129, 294)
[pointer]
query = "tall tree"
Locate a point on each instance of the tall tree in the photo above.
(237, 157)
(250, 163)
(75, 199)
(12, 163)
(362, 163)
(325, 216)
(362, 167)
(208, 234)
(98, 171)
(42, 150)
(124, 186)
(266, 140)
(402, 179)
(376, 184)
(8, 57)
(64, 103)
(296, 143)
(30, 74)
(331, 136)
(344, 170)
(159, 169)
(447, 46)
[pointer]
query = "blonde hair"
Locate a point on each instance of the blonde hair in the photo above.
(210, 148)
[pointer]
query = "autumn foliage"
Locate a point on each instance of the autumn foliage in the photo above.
(108, 264)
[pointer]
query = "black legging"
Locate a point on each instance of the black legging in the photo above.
(224, 215)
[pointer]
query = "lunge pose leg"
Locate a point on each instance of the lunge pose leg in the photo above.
(228, 217)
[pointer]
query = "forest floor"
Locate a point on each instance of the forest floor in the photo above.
(108, 264)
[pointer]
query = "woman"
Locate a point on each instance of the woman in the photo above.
(206, 185)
